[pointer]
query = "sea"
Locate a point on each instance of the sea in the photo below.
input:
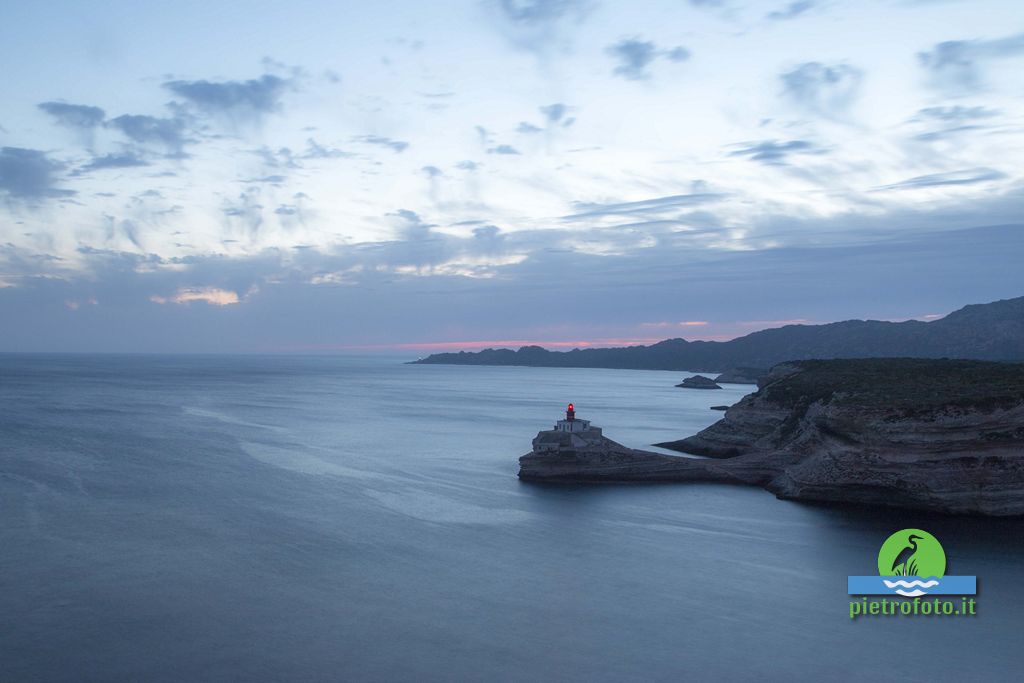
(357, 518)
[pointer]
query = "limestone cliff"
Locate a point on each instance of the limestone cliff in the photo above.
(941, 435)
(944, 435)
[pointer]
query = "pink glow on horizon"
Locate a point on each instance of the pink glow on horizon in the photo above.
(725, 331)
(482, 344)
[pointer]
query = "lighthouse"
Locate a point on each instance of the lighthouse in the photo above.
(571, 423)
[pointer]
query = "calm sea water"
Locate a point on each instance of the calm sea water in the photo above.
(340, 518)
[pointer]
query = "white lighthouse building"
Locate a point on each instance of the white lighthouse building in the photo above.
(571, 423)
(568, 436)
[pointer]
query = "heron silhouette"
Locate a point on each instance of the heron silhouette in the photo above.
(905, 560)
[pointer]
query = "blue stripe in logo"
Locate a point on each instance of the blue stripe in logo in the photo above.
(912, 586)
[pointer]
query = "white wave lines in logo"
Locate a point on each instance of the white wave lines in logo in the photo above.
(917, 584)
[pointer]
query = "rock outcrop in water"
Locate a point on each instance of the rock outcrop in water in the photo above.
(698, 382)
(940, 435)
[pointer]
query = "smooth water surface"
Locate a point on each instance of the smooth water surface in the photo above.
(340, 518)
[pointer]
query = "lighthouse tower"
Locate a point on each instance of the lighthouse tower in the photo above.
(571, 423)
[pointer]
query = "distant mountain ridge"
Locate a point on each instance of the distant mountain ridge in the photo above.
(992, 331)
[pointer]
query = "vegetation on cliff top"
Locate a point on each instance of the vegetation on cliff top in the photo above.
(901, 383)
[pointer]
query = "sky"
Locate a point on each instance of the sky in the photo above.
(321, 176)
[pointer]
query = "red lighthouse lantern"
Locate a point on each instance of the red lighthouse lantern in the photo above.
(570, 413)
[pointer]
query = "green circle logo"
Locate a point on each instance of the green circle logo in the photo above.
(912, 552)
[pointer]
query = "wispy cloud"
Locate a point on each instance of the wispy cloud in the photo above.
(532, 12)
(952, 121)
(239, 100)
(503, 149)
(585, 210)
(957, 64)
(168, 133)
(107, 161)
(957, 113)
(207, 295)
(28, 174)
(557, 114)
(965, 177)
(792, 10)
(824, 89)
(74, 115)
(540, 25)
(776, 153)
(381, 141)
(634, 57)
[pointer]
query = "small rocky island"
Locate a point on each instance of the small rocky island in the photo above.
(698, 382)
(939, 435)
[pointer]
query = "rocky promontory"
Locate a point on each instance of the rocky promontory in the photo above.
(589, 456)
(940, 435)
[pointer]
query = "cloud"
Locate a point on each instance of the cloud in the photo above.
(634, 56)
(74, 115)
(314, 150)
(957, 113)
(964, 177)
(959, 120)
(239, 100)
(533, 12)
(588, 210)
(125, 160)
(29, 174)
(246, 210)
(432, 171)
(555, 116)
(792, 10)
(539, 25)
(467, 165)
(395, 145)
(678, 54)
(428, 287)
(75, 304)
(823, 89)
(208, 295)
(776, 153)
(503, 149)
(282, 157)
(296, 213)
(955, 64)
(145, 130)
(553, 113)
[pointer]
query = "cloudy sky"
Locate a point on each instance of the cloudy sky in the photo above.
(317, 176)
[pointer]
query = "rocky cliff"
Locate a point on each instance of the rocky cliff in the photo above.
(933, 434)
(938, 435)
